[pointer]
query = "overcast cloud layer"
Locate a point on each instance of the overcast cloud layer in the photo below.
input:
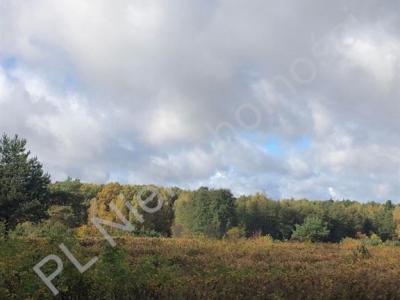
(292, 98)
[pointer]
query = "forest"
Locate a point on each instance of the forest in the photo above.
(32, 203)
(186, 243)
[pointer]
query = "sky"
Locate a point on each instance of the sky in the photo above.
(289, 98)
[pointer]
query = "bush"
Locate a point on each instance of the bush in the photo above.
(395, 243)
(361, 252)
(373, 240)
(235, 233)
(86, 231)
(268, 238)
(349, 243)
(52, 231)
(25, 229)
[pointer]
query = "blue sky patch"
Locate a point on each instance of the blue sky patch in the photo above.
(303, 144)
(9, 63)
(275, 146)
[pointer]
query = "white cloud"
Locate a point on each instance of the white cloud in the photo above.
(4, 86)
(129, 91)
(377, 53)
(67, 133)
(332, 193)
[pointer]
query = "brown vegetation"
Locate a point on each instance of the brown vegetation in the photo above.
(165, 268)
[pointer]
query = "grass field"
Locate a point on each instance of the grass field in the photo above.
(159, 268)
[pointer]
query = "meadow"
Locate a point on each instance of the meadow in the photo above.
(179, 268)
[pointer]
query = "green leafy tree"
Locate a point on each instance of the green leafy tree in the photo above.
(258, 214)
(205, 212)
(24, 194)
(386, 226)
(313, 229)
(70, 200)
(162, 201)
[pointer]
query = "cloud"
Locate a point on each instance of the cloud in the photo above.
(218, 93)
(376, 53)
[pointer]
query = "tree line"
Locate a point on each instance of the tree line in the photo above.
(30, 203)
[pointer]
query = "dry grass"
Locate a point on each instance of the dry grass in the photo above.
(257, 268)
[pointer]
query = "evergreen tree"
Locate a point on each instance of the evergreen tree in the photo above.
(24, 194)
(313, 229)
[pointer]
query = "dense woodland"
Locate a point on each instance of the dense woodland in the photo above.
(30, 205)
(217, 214)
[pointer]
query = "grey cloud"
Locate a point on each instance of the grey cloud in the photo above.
(153, 81)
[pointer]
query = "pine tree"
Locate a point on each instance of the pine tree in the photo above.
(313, 229)
(24, 194)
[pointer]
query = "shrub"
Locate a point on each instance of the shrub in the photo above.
(373, 240)
(349, 243)
(268, 238)
(25, 229)
(86, 231)
(395, 243)
(361, 252)
(52, 231)
(235, 233)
